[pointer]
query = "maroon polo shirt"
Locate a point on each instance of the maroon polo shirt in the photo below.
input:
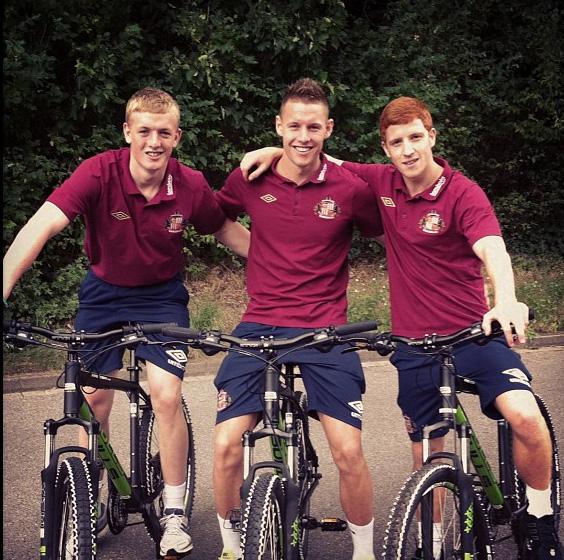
(436, 285)
(130, 241)
(297, 271)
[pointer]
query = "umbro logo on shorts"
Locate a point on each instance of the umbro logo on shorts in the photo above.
(358, 409)
(178, 358)
(517, 376)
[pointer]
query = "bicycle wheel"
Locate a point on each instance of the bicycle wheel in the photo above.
(262, 536)
(74, 511)
(519, 495)
(151, 472)
(302, 428)
(403, 536)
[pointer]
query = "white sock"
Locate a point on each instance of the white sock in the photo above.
(231, 539)
(173, 496)
(539, 502)
(437, 538)
(363, 540)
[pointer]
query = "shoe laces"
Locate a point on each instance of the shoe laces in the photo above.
(174, 521)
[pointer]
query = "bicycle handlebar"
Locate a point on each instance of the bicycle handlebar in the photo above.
(385, 343)
(20, 331)
(214, 339)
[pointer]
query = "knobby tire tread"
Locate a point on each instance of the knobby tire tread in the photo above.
(266, 492)
(73, 489)
(403, 512)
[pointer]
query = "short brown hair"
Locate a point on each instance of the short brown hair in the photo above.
(306, 90)
(402, 111)
(151, 100)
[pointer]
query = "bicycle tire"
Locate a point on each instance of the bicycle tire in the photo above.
(262, 535)
(302, 428)
(151, 472)
(519, 494)
(401, 538)
(74, 511)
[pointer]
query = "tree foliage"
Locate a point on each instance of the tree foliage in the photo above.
(490, 71)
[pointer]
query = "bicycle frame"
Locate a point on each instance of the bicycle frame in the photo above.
(279, 426)
(77, 412)
(470, 451)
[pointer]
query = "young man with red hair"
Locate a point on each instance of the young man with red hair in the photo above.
(440, 229)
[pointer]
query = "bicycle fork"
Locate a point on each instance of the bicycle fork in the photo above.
(72, 400)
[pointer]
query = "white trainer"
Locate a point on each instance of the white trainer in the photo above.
(175, 538)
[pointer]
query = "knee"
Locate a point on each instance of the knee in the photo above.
(527, 424)
(166, 401)
(100, 401)
(349, 459)
(227, 448)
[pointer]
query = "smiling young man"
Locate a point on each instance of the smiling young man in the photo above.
(135, 203)
(440, 229)
(303, 211)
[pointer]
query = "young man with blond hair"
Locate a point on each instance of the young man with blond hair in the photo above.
(440, 229)
(302, 210)
(136, 202)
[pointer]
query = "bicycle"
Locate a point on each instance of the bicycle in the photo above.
(275, 518)
(461, 489)
(69, 510)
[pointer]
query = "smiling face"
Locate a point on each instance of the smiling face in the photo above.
(410, 148)
(303, 128)
(152, 137)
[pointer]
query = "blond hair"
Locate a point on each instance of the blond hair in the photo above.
(151, 100)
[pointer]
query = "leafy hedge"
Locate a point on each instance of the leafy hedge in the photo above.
(490, 71)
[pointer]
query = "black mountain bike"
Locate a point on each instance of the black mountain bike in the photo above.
(275, 496)
(460, 488)
(69, 509)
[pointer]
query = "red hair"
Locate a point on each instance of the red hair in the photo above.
(403, 110)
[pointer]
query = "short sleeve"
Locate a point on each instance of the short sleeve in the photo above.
(229, 197)
(475, 215)
(80, 191)
(207, 216)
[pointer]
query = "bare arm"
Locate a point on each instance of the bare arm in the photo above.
(235, 236)
(44, 224)
(506, 310)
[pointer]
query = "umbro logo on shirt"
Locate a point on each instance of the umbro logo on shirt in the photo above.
(388, 201)
(121, 216)
(268, 198)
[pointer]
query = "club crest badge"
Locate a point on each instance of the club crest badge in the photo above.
(176, 223)
(223, 400)
(432, 223)
(327, 209)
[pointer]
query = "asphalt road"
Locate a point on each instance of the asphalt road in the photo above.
(385, 444)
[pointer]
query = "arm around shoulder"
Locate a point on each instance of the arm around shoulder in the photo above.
(28, 243)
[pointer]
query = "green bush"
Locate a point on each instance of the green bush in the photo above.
(494, 86)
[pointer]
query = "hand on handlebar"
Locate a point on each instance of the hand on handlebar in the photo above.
(513, 317)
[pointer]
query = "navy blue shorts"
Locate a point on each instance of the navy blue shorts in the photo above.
(493, 367)
(104, 306)
(334, 382)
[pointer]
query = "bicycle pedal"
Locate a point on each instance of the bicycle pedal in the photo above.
(333, 524)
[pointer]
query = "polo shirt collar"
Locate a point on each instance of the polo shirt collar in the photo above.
(167, 190)
(318, 177)
(436, 189)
